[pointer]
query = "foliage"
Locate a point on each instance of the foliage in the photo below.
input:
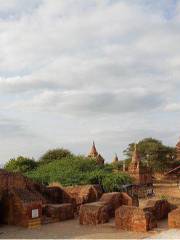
(79, 170)
(153, 153)
(20, 164)
(112, 182)
(55, 154)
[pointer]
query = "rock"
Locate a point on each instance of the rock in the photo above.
(174, 218)
(132, 218)
(93, 213)
(59, 212)
(159, 208)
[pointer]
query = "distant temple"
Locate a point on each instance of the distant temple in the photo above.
(115, 159)
(94, 154)
(141, 173)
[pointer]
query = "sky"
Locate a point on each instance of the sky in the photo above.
(74, 71)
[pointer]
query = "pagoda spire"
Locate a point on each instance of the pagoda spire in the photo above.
(135, 155)
(115, 158)
(93, 152)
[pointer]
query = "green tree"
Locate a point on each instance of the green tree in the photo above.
(21, 164)
(154, 154)
(54, 154)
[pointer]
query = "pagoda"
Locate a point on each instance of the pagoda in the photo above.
(95, 155)
(115, 159)
(139, 172)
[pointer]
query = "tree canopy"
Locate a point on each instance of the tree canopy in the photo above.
(21, 164)
(153, 153)
(79, 170)
(54, 154)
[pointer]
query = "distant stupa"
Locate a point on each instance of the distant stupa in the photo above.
(115, 159)
(94, 154)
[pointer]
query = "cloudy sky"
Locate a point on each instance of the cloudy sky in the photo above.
(73, 71)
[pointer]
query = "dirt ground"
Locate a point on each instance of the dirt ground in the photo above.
(73, 230)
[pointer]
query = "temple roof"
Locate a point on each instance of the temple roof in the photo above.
(100, 159)
(93, 152)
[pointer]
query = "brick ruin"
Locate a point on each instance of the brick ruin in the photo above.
(25, 203)
(132, 218)
(141, 174)
(83, 194)
(101, 211)
(95, 155)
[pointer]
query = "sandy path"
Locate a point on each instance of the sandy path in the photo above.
(70, 229)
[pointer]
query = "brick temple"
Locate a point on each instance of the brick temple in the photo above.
(141, 174)
(95, 155)
(29, 204)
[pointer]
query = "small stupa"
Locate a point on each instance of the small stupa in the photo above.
(94, 154)
(140, 173)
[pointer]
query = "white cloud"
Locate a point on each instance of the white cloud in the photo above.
(173, 107)
(116, 61)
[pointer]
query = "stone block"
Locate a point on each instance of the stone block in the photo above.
(132, 218)
(93, 213)
(59, 212)
(113, 200)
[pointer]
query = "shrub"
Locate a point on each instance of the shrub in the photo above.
(21, 164)
(113, 182)
(79, 170)
(55, 154)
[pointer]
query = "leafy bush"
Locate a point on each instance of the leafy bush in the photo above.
(21, 164)
(55, 154)
(79, 170)
(113, 182)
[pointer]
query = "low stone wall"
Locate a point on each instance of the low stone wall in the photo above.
(93, 213)
(132, 218)
(174, 218)
(159, 208)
